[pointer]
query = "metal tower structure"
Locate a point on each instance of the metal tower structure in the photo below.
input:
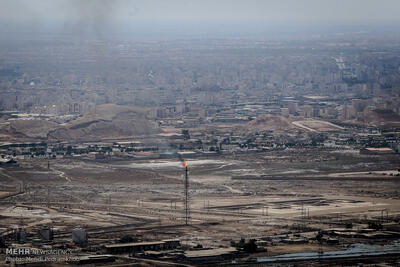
(186, 204)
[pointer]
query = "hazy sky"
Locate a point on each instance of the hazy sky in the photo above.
(199, 10)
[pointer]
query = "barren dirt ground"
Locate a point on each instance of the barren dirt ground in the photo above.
(275, 192)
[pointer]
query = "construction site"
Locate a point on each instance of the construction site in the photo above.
(299, 206)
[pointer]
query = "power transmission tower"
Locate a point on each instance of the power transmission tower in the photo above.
(186, 204)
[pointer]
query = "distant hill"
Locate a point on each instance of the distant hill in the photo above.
(381, 117)
(30, 129)
(105, 121)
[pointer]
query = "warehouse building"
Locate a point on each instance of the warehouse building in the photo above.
(142, 246)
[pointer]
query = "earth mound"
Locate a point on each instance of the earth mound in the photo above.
(271, 122)
(14, 129)
(381, 117)
(107, 121)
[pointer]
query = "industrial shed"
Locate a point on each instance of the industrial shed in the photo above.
(141, 246)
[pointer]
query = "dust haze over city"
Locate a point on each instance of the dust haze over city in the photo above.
(199, 133)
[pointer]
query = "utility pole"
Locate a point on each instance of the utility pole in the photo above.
(48, 196)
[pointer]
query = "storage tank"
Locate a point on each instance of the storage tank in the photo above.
(45, 234)
(20, 235)
(79, 236)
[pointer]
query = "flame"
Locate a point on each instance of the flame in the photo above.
(185, 164)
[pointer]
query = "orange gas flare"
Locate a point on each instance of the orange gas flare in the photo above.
(184, 164)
